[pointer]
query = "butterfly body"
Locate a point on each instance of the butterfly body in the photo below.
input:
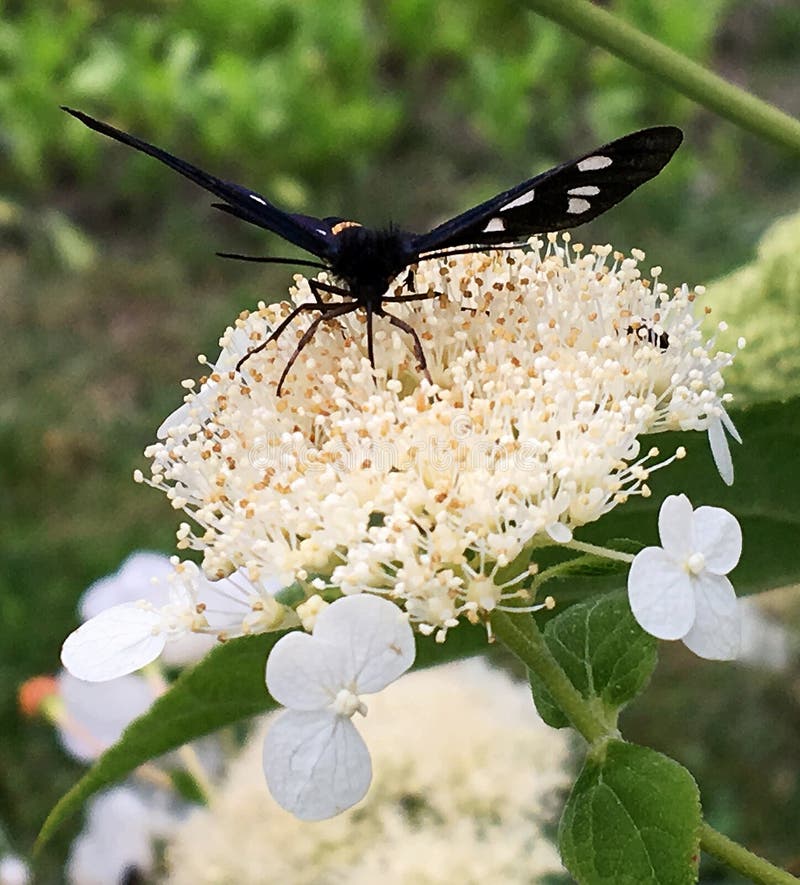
(366, 261)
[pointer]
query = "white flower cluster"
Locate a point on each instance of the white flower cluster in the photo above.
(546, 367)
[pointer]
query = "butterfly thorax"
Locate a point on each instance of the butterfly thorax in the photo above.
(368, 260)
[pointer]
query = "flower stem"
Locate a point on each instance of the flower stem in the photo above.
(628, 43)
(596, 550)
(740, 859)
(522, 636)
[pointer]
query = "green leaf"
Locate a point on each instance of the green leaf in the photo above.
(633, 818)
(765, 497)
(225, 687)
(604, 652)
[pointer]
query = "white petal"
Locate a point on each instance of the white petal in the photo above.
(660, 594)
(717, 631)
(316, 763)
(376, 635)
(181, 415)
(729, 425)
(718, 536)
(720, 451)
(560, 533)
(114, 643)
(98, 713)
(305, 673)
(675, 526)
(131, 582)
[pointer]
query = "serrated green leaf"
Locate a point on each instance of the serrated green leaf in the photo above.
(633, 818)
(225, 687)
(604, 652)
(765, 497)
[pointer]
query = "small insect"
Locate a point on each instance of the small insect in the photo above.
(645, 332)
(367, 261)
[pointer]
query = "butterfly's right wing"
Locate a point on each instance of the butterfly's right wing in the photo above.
(563, 197)
(309, 233)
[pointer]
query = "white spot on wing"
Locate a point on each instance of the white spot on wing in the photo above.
(494, 225)
(258, 199)
(520, 201)
(595, 162)
(321, 231)
(589, 190)
(576, 206)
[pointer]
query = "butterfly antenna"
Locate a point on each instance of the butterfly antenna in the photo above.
(258, 259)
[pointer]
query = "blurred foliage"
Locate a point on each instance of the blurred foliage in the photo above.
(413, 110)
(769, 366)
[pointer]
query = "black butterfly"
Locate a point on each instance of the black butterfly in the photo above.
(366, 261)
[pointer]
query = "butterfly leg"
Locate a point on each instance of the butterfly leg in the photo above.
(317, 304)
(309, 305)
(336, 310)
(370, 343)
(422, 363)
(318, 287)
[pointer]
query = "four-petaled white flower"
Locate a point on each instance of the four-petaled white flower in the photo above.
(679, 590)
(187, 611)
(315, 761)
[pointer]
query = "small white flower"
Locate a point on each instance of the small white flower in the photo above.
(145, 577)
(178, 622)
(679, 590)
(315, 761)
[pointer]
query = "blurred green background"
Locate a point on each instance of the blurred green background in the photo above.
(409, 111)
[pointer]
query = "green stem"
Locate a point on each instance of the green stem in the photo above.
(522, 636)
(520, 633)
(621, 39)
(740, 859)
(595, 550)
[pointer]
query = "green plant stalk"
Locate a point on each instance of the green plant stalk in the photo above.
(628, 43)
(520, 633)
(740, 859)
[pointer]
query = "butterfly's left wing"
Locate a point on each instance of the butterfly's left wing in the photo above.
(563, 197)
(315, 235)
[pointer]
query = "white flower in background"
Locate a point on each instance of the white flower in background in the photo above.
(94, 715)
(14, 870)
(119, 837)
(465, 777)
(679, 590)
(547, 368)
(315, 761)
(127, 637)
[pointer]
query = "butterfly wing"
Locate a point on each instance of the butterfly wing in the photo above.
(565, 196)
(309, 233)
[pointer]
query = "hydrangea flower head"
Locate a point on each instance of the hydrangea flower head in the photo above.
(546, 366)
